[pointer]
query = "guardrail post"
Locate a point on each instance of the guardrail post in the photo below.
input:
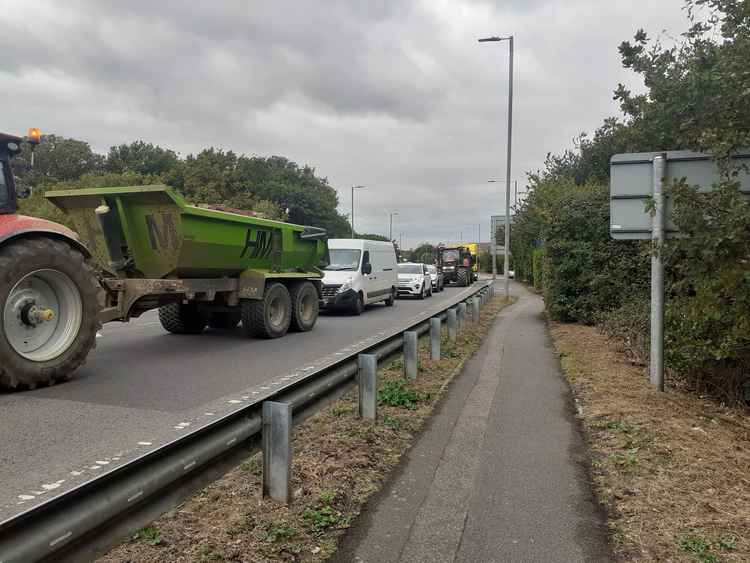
(461, 316)
(367, 378)
(410, 354)
(452, 321)
(277, 450)
(475, 312)
(435, 327)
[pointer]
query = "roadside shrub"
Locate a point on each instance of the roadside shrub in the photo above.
(537, 268)
(629, 326)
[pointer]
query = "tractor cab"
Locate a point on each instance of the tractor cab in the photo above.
(9, 146)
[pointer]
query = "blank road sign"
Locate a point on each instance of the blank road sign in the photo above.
(631, 185)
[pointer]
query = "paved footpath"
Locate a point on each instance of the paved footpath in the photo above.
(499, 473)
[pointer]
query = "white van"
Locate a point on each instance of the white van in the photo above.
(360, 272)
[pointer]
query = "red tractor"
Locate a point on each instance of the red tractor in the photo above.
(49, 295)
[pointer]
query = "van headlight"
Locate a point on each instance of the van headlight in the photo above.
(346, 286)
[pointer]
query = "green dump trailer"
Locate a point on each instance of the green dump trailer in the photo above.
(150, 249)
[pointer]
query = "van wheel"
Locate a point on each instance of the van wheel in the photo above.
(305, 306)
(268, 317)
(359, 306)
(391, 301)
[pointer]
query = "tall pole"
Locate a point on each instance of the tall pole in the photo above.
(390, 230)
(493, 242)
(506, 261)
(354, 188)
(506, 253)
(479, 247)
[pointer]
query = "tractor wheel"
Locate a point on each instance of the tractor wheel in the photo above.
(224, 320)
(462, 278)
(178, 318)
(49, 301)
(269, 317)
(305, 306)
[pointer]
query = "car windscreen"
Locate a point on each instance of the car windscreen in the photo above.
(432, 269)
(450, 255)
(409, 269)
(343, 259)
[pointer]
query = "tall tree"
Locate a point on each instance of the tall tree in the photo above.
(141, 158)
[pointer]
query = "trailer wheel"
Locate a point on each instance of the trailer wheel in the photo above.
(269, 317)
(305, 306)
(49, 302)
(179, 318)
(224, 320)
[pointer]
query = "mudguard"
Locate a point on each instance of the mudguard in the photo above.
(17, 226)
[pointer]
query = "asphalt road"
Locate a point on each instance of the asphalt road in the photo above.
(143, 387)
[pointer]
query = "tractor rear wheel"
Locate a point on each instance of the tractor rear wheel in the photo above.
(49, 302)
(305, 306)
(224, 320)
(270, 316)
(179, 318)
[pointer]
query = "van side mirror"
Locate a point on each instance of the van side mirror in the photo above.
(367, 268)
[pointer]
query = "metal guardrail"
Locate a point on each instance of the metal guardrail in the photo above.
(47, 531)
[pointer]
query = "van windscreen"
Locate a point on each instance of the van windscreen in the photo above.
(343, 259)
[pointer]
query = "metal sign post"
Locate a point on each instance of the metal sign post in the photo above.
(656, 363)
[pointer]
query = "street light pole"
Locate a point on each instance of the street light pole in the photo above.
(390, 230)
(354, 188)
(506, 261)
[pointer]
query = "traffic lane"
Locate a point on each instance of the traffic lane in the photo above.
(55, 439)
(142, 366)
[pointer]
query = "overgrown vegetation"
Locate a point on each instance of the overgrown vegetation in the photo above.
(697, 97)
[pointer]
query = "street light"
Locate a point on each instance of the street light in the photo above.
(515, 189)
(506, 262)
(390, 230)
(354, 188)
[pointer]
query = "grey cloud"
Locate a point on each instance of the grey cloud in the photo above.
(396, 94)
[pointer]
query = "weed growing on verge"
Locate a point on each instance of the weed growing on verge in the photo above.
(252, 466)
(397, 393)
(699, 546)
(150, 534)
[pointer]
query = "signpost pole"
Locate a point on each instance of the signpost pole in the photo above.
(656, 366)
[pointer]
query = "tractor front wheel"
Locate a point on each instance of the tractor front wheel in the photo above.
(49, 301)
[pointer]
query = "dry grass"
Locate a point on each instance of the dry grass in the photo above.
(339, 462)
(672, 469)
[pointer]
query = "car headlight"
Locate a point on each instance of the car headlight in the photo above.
(346, 286)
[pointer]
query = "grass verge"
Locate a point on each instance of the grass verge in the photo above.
(339, 462)
(672, 469)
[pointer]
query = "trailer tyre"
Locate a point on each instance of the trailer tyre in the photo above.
(269, 317)
(305, 306)
(49, 312)
(224, 320)
(179, 318)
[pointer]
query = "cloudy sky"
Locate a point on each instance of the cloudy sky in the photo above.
(396, 95)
